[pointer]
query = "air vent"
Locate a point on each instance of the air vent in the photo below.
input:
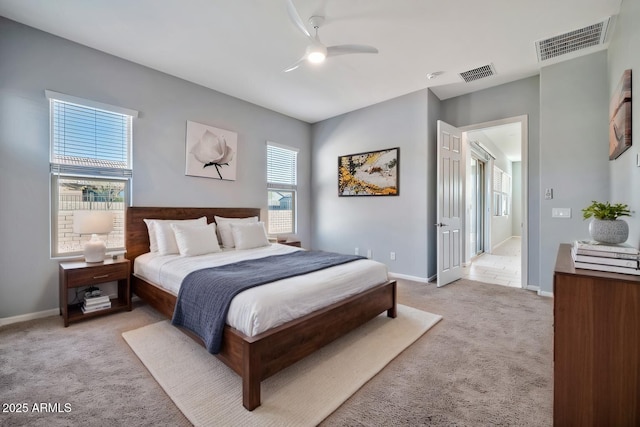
(478, 73)
(572, 41)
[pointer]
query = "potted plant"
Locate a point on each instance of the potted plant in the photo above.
(605, 227)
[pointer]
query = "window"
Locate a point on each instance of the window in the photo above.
(501, 192)
(282, 167)
(90, 167)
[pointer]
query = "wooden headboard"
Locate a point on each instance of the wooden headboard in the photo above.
(136, 238)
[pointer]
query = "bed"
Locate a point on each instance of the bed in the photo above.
(257, 357)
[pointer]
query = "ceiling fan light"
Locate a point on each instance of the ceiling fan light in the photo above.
(316, 53)
(316, 57)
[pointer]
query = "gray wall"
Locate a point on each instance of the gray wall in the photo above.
(567, 108)
(509, 100)
(623, 55)
(573, 150)
(32, 61)
(381, 224)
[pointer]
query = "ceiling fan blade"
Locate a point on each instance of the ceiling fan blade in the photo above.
(345, 49)
(295, 18)
(298, 63)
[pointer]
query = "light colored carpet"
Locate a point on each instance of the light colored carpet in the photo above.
(209, 393)
(489, 362)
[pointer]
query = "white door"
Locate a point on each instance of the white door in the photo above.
(450, 204)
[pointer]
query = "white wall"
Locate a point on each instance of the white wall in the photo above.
(516, 202)
(32, 61)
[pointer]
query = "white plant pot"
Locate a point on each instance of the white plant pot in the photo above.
(609, 231)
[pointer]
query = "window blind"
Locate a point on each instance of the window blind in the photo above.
(506, 184)
(90, 140)
(497, 179)
(282, 166)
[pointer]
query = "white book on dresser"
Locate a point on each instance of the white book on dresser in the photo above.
(592, 245)
(619, 262)
(609, 268)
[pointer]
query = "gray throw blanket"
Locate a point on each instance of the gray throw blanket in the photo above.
(205, 295)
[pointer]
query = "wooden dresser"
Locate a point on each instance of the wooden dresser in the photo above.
(596, 346)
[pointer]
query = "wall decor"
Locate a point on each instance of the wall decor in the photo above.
(211, 152)
(374, 173)
(620, 117)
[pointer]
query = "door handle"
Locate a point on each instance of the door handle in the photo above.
(439, 224)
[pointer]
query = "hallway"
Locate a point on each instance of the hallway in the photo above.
(502, 267)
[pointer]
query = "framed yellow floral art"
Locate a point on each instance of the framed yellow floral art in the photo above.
(374, 173)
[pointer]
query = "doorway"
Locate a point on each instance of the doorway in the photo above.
(496, 249)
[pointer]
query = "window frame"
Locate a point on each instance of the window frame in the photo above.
(78, 171)
(291, 187)
(501, 193)
(55, 210)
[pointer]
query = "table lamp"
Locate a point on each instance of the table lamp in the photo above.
(94, 223)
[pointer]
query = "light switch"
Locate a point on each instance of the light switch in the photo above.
(561, 212)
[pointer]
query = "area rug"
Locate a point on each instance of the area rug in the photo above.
(209, 393)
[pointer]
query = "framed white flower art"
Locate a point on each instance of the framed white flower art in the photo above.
(211, 152)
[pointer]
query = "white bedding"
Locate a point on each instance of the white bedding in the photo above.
(264, 307)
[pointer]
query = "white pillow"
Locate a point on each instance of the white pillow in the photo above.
(195, 240)
(161, 238)
(224, 228)
(153, 243)
(249, 235)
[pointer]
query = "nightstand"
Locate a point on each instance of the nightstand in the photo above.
(76, 274)
(291, 242)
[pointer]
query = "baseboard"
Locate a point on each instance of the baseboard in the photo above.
(496, 246)
(41, 314)
(408, 277)
(29, 316)
(538, 291)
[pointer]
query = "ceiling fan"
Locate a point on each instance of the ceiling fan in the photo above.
(316, 51)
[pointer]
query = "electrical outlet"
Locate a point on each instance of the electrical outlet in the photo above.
(357, 251)
(561, 213)
(392, 256)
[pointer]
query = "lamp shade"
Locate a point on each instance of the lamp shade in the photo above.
(92, 222)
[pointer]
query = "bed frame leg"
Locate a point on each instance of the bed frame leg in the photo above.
(393, 311)
(250, 378)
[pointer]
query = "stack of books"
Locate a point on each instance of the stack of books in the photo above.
(620, 258)
(96, 303)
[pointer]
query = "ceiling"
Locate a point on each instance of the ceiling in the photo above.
(507, 138)
(241, 48)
